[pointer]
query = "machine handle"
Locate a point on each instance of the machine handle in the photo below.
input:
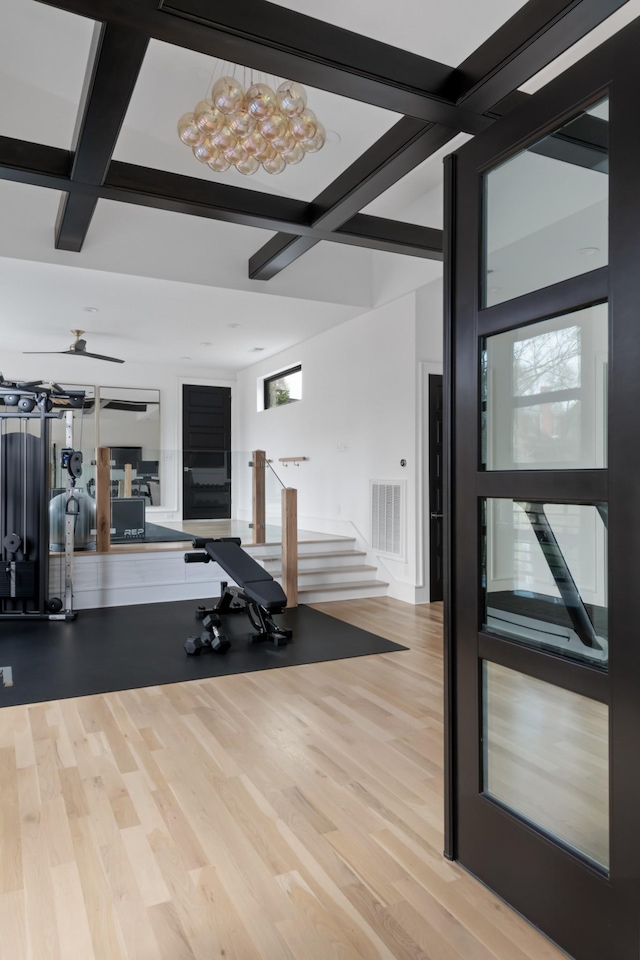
(436, 516)
(197, 558)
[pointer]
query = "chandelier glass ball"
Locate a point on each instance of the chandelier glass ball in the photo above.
(207, 117)
(291, 98)
(223, 140)
(274, 127)
(304, 126)
(241, 124)
(227, 95)
(260, 101)
(188, 131)
(248, 166)
(261, 129)
(315, 143)
(293, 156)
(277, 165)
(205, 151)
(219, 164)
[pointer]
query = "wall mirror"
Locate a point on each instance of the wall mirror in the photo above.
(129, 423)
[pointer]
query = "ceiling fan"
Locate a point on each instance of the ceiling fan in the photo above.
(78, 349)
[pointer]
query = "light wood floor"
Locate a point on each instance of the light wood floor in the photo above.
(289, 814)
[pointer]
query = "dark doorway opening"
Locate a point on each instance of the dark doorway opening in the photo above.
(206, 452)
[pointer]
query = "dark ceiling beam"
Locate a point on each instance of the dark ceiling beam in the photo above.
(112, 71)
(273, 39)
(330, 58)
(34, 163)
(400, 150)
(378, 233)
(537, 34)
(513, 54)
(43, 166)
(143, 186)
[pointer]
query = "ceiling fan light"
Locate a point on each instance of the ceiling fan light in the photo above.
(291, 98)
(260, 101)
(227, 95)
(188, 131)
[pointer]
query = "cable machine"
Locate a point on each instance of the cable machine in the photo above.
(25, 421)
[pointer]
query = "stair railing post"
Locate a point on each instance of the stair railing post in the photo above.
(103, 499)
(290, 545)
(259, 462)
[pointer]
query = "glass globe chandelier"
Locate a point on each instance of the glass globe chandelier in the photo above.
(260, 127)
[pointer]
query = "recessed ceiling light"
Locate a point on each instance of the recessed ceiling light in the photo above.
(91, 310)
(589, 251)
(205, 343)
(234, 325)
(185, 358)
(257, 349)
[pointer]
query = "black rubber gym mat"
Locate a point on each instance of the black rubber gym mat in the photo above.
(119, 648)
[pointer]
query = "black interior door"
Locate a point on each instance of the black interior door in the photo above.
(206, 455)
(542, 372)
(436, 523)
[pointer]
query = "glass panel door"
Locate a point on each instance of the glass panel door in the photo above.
(544, 459)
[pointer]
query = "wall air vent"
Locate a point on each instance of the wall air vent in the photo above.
(388, 517)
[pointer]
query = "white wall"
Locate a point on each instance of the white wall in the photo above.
(360, 415)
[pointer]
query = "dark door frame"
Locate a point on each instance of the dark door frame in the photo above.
(585, 912)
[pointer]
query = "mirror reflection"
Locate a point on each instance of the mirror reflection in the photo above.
(547, 210)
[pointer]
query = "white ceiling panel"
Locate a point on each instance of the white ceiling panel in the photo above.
(443, 30)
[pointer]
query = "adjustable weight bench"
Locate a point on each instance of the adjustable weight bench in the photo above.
(257, 594)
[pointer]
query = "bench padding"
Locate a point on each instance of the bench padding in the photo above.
(257, 583)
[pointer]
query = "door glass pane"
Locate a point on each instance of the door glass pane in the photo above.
(546, 757)
(546, 210)
(544, 576)
(544, 394)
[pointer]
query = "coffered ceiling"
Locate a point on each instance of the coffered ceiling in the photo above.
(95, 177)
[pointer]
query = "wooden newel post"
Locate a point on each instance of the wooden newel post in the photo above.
(290, 545)
(259, 461)
(103, 499)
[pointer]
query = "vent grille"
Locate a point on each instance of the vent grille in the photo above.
(387, 517)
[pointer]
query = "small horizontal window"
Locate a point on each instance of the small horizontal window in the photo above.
(283, 387)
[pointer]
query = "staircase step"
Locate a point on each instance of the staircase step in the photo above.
(328, 571)
(277, 558)
(344, 585)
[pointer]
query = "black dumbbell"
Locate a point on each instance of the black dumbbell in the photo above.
(193, 646)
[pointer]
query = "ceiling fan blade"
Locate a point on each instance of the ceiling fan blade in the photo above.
(96, 356)
(50, 352)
